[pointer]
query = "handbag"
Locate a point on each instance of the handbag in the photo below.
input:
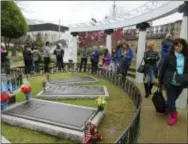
(159, 101)
(182, 79)
(141, 67)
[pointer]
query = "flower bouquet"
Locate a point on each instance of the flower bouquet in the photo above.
(27, 91)
(4, 101)
(101, 103)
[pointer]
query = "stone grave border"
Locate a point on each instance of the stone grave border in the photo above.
(4, 140)
(60, 96)
(61, 132)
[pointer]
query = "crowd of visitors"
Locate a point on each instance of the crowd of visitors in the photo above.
(172, 72)
(32, 58)
(119, 61)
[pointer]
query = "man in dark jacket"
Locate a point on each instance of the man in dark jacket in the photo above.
(59, 52)
(94, 60)
(28, 59)
(84, 57)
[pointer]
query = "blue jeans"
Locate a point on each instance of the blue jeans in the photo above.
(150, 76)
(173, 93)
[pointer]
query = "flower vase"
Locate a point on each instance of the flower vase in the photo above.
(4, 105)
(28, 96)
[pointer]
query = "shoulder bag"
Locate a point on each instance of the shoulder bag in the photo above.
(141, 67)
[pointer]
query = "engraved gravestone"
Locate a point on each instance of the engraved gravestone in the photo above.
(53, 113)
(55, 91)
(74, 90)
(74, 80)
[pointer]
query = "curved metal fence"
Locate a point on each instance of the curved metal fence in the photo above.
(130, 133)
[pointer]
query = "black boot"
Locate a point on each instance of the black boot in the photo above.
(146, 86)
(150, 88)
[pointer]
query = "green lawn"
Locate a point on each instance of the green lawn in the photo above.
(118, 114)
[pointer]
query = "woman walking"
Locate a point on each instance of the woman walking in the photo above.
(150, 68)
(173, 71)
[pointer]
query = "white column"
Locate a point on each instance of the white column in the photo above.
(109, 39)
(109, 42)
(74, 50)
(140, 54)
(181, 102)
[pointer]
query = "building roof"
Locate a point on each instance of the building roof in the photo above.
(62, 41)
(47, 27)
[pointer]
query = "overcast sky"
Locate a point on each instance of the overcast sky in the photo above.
(71, 12)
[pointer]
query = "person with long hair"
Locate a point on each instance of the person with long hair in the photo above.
(106, 60)
(126, 59)
(174, 65)
(150, 58)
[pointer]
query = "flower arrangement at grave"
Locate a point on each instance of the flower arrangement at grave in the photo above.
(6, 93)
(4, 101)
(101, 102)
(26, 89)
(91, 133)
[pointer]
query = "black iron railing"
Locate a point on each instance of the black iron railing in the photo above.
(130, 133)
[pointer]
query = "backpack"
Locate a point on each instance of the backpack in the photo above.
(27, 54)
(58, 52)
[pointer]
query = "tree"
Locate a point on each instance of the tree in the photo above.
(13, 23)
(39, 38)
(28, 39)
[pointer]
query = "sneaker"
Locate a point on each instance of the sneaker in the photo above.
(173, 118)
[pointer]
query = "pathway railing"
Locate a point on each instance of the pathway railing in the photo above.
(130, 133)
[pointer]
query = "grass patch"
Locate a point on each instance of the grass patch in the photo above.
(119, 112)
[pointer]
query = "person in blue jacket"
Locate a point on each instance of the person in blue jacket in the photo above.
(166, 46)
(119, 55)
(94, 60)
(126, 59)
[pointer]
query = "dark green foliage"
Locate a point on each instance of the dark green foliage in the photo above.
(13, 23)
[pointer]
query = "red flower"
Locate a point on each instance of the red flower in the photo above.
(4, 97)
(26, 89)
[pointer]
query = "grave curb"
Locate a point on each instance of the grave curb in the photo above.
(62, 132)
(42, 127)
(58, 97)
(4, 140)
